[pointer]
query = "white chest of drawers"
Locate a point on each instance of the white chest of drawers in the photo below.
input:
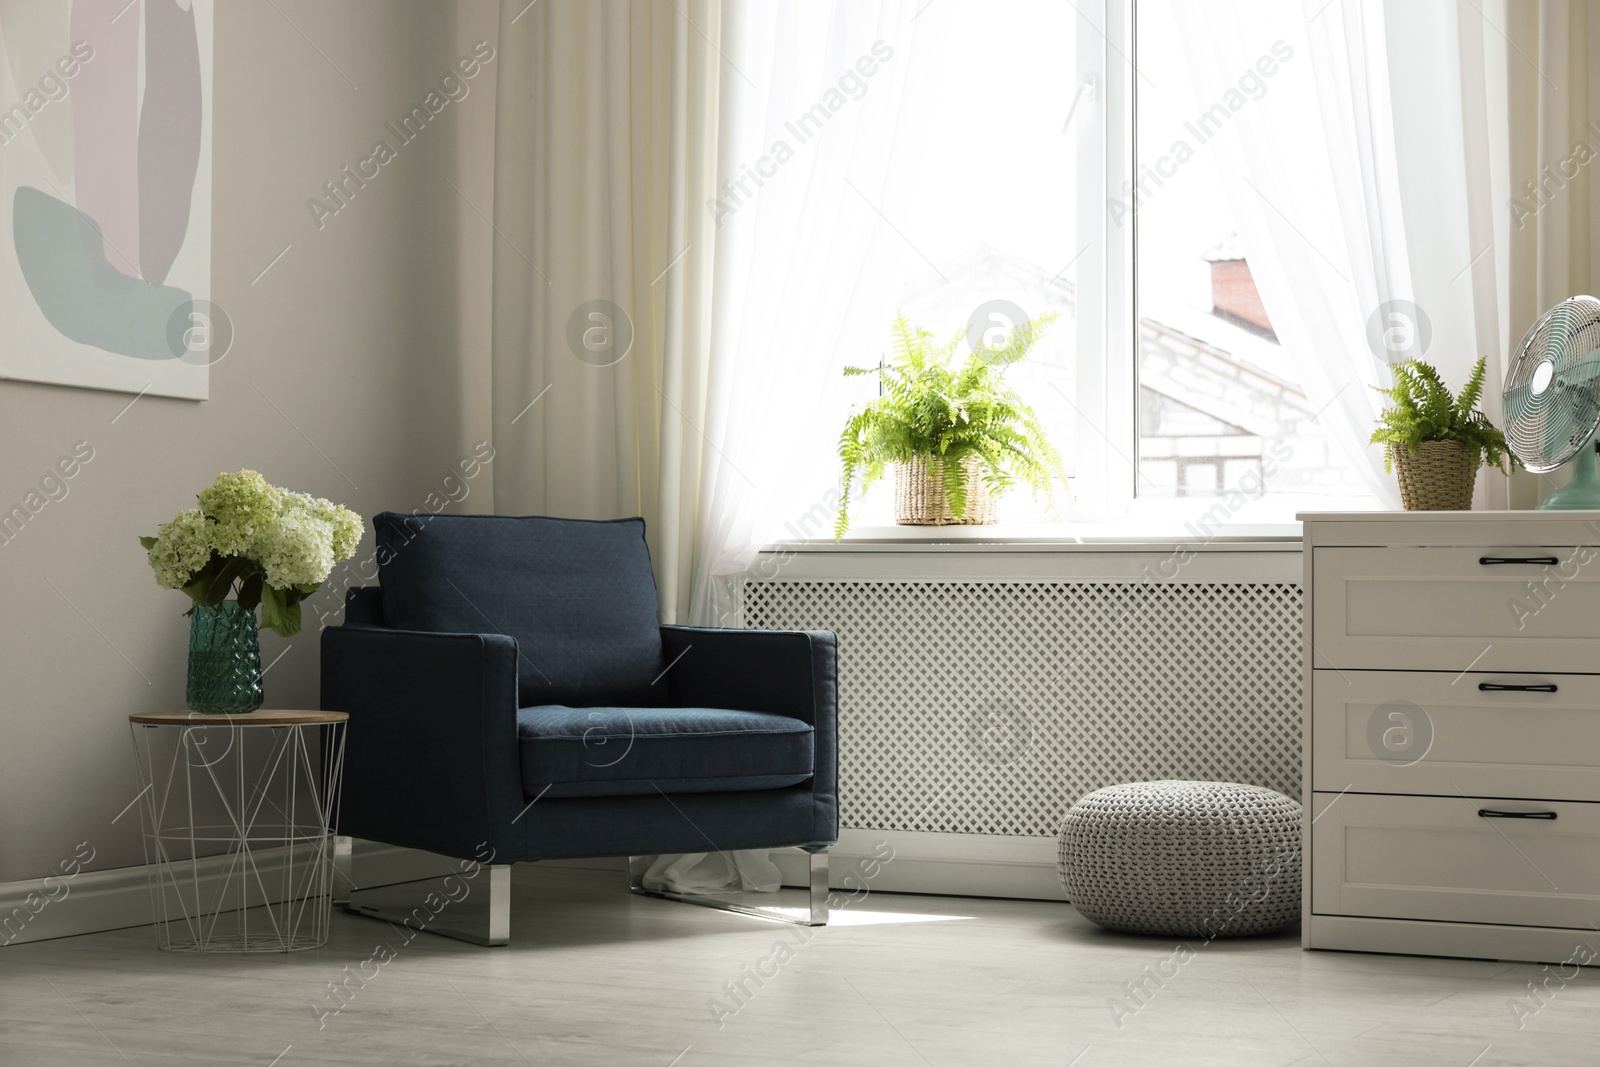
(1452, 734)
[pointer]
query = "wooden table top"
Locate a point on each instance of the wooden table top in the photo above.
(259, 717)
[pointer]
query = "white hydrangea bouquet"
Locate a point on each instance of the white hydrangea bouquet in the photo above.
(261, 544)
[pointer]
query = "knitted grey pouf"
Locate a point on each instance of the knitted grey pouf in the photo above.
(1183, 859)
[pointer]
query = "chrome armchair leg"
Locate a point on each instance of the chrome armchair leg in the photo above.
(819, 889)
(343, 874)
(814, 914)
(489, 930)
(500, 904)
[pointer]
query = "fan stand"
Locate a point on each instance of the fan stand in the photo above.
(1582, 491)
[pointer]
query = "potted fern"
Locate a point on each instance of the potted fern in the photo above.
(1437, 441)
(956, 434)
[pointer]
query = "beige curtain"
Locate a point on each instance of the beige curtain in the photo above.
(605, 150)
(1448, 67)
(1553, 105)
(1498, 134)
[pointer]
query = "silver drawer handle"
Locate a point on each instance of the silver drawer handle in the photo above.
(1535, 561)
(1503, 687)
(1490, 813)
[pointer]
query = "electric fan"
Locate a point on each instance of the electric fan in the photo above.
(1552, 399)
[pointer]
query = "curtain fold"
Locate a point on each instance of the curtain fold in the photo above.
(1310, 172)
(1308, 176)
(605, 142)
(807, 155)
(1486, 147)
(1552, 195)
(1453, 140)
(638, 163)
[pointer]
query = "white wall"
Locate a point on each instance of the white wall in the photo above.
(370, 334)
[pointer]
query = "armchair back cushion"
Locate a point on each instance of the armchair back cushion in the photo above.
(578, 596)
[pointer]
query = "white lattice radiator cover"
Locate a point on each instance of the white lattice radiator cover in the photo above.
(987, 707)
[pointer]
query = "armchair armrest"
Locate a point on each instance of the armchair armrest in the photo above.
(431, 752)
(784, 672)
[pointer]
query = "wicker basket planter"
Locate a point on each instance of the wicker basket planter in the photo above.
(919, 495)
(1439, 476)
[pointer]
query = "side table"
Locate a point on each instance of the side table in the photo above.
(237, 812)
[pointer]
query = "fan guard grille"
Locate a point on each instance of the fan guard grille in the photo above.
(1546, 427)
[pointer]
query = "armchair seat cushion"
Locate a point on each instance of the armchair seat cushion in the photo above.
(591, 752)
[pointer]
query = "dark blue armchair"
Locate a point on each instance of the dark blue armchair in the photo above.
(513, 697)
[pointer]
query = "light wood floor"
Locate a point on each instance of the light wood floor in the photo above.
(597, 976)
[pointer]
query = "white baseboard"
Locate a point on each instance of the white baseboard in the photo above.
(92, 901)
(970, 865)
(961, 865)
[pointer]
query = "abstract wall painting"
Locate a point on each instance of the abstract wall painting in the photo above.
(105, 174)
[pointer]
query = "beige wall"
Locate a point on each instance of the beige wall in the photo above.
(370, 334)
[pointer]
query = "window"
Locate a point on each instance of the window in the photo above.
(1221, 411)
(1162, 381)
(986, 198)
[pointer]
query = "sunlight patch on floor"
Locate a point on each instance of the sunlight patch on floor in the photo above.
(856, 917)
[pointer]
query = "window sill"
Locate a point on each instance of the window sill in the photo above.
(1079, 536)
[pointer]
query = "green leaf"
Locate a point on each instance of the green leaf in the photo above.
(274, 609)
(198, 588)
(234, 569)
(1423, 409)
(927, 407)
(148, 543)
(280, 610)
(250, 590)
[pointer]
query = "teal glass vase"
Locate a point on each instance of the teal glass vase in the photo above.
(224, 660)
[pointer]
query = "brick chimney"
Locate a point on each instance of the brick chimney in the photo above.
(1233, 289)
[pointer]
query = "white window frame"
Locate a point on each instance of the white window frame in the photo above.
(1106, 503)
(1106, 315)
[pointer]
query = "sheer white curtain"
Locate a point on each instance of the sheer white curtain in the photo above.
(644, 151)
(1370, 185)
(803, 162)
(1447, 62)
(1309, 173)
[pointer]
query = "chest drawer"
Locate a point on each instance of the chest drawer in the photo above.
(1448, 734)
(1436, 858)
(1445, 608)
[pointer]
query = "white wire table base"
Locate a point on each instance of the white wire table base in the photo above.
(237, 818)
